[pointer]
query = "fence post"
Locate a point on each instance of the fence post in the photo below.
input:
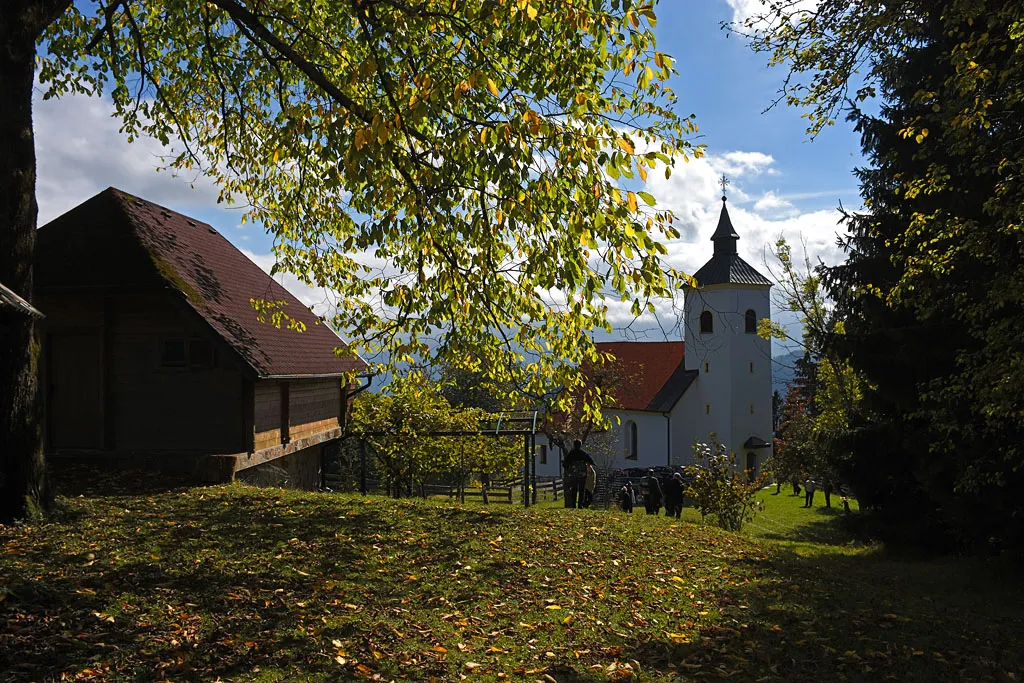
(526, 470)
(533, 468)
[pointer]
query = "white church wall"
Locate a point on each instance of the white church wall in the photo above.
(751, 384)
(652, 439)
(544, 450)
(726, 398)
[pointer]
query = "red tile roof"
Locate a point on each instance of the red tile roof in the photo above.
(645, 371)
(117, 241)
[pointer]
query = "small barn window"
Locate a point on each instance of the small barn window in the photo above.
(707, 323)
(631, 441)
(751, 367)
(543, 455)
(750, 321)
(707, 366)
(707, 408)
(173, 354)
(751, 408)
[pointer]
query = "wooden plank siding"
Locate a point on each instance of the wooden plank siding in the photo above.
(267, 414)
(314, 406)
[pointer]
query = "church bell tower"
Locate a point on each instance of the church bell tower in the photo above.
(732, 395)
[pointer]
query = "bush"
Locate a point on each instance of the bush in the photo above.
(718, 489)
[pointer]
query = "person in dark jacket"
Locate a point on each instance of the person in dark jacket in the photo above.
(674, 496)
(652, 495)
(625, 499)
(574, 473)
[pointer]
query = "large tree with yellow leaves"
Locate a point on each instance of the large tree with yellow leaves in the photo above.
(481, 149)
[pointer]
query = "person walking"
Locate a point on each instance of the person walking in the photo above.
(574, 472)
(589, 485)
(810, 486)
(653, 494)
(674, 496)
(626, 499)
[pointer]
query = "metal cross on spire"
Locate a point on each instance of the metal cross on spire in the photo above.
(724, 182)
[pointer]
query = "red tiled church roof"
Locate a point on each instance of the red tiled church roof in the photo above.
(117, 241)
(647, 375)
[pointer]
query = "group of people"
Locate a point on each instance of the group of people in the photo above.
(811, 485)
(654, 495)
(579, 476)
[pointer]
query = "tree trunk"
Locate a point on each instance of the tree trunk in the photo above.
(23, 485)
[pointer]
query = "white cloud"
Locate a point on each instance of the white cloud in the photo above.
(745, 163)
(772, 204)
(80, 151)
(742, 10)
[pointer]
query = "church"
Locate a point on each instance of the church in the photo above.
(669, 395)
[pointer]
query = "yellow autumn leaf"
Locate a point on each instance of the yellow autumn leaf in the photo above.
(492, 87)
(631, 200)
(531, 11)
(553, 607)
(625, 144)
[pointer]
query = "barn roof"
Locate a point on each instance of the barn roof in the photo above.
(116, 241)
(649, 376)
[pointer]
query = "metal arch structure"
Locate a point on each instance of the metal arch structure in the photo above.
(504, 424)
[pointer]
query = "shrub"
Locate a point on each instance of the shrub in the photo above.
(718, 489)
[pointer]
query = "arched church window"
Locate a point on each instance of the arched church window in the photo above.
(707, 323)
(750, 321)
(631, 440)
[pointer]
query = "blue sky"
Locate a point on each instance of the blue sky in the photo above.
(782, 183)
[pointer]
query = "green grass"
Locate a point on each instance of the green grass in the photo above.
(243, 584)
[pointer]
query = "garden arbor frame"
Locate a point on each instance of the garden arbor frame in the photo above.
(523, 423)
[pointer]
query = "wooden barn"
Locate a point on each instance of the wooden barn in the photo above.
(152, 351)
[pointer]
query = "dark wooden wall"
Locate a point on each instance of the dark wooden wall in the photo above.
(124, 400)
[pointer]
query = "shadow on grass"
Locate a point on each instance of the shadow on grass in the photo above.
(229, 583)
(842, 617)
(98, 477)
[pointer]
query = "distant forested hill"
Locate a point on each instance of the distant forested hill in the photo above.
(783, 368)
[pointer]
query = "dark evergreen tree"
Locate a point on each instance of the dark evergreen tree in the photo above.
(931, 293)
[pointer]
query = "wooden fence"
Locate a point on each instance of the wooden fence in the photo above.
(499, 492)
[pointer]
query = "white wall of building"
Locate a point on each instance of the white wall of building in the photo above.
(732, 394)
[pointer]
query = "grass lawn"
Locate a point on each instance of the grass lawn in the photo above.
(244, 584)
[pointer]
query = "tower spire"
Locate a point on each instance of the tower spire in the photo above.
(725, 236)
